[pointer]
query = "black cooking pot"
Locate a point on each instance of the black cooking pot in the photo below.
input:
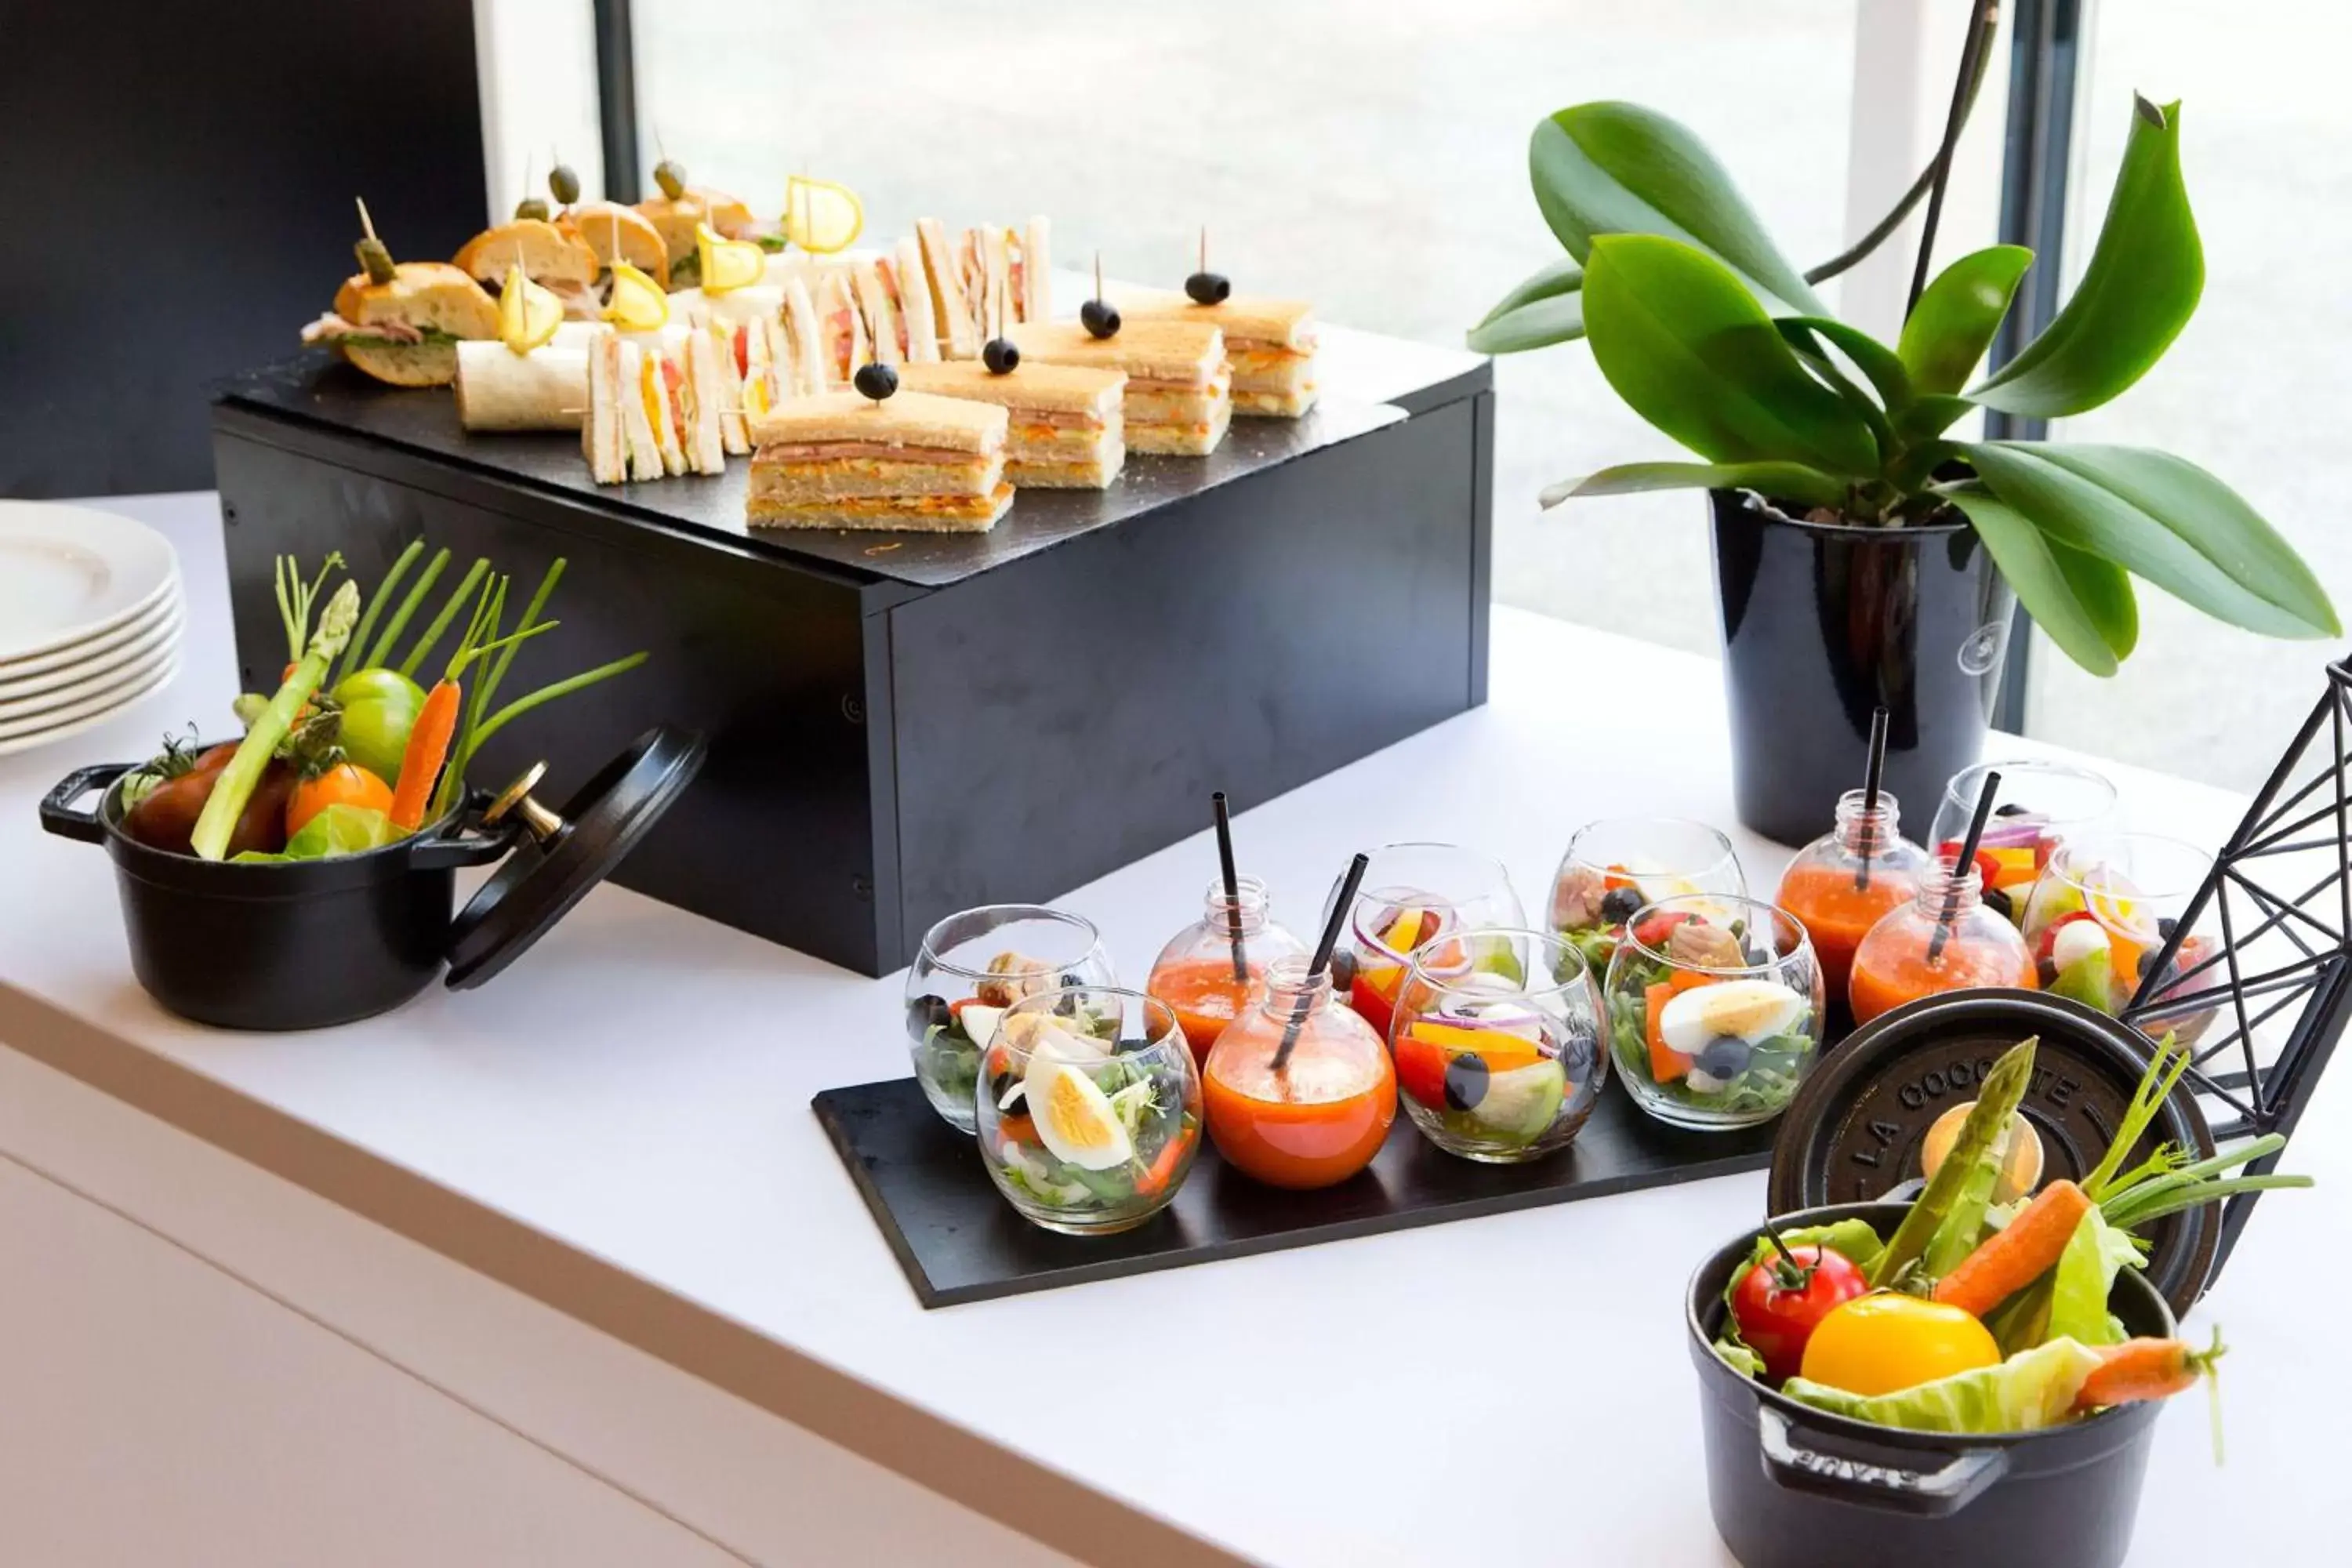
(297, 945)
(309, 943)
(1793, 1487)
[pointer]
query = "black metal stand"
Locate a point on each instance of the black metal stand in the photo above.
(2281, 890)
(616, 97)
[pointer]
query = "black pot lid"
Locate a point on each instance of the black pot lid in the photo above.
(564, 853)
(1854, 1129)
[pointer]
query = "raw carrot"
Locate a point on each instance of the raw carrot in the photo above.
(428, 746)
(1164, 1167)
(2138, 1369)
(2013, 1257)
(1667, 1064)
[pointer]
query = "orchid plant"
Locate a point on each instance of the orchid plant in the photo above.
(1700, 325)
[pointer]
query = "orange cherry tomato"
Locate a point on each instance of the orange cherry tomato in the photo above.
(345, 783)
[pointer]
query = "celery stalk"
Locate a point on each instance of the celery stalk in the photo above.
(217, 821)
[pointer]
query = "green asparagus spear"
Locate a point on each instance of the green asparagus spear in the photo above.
(217, 821)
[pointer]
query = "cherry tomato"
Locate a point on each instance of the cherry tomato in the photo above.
(1652, 932)
(1778, 1304)
(345, 783)
(165, 817)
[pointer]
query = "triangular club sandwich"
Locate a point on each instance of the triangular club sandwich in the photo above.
(909, 462)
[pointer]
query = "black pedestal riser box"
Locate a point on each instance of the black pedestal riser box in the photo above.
(904, 726)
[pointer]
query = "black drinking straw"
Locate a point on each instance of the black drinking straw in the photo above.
(1321, 964)
(1961, 867)
(1870, 794)
(1233, 884)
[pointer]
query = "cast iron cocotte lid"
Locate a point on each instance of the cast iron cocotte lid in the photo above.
(1856, 1125)
(563, 855)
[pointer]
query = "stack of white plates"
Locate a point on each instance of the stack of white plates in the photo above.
(90, 616)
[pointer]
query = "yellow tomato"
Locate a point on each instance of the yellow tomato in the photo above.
(1879, 1344)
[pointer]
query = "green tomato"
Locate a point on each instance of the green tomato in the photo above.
(380, 708)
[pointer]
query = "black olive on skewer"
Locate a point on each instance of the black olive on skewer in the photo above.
(998, 354)
(1099, 315)
(877, 381)
(1205, 286)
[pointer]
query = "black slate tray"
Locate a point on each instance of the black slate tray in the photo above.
(959, 1241)
(331, 394)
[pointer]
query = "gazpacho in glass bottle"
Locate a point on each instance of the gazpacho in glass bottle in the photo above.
(1914, 951)
(1196, 973)
(1312, 1117)
(1844, 882)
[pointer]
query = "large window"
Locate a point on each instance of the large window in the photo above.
(2254, 388)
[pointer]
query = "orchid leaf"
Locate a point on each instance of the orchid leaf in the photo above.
(1618, 168)
(2141, 287)
(1546, 308)
(2164, 518)
(1949, 331)
(1780, 481)
(1687, 347)
(2041, 584)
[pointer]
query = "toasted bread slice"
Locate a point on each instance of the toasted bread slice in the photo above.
(600, 428)
(1247, 320)
(913, 419)
(1085, 391)
(927, 514)
(1184, 354)
(704, 394)
(903, 276)
(805, 337)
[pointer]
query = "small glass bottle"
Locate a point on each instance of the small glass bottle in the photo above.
(1914, 951)
(1209, 970)
(1845, 881)
(1311, 1116)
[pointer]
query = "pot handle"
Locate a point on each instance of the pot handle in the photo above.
(448, 853)
(57, 814)
(1932, 1494)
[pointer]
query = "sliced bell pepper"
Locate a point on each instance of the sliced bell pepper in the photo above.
(1667, 1064)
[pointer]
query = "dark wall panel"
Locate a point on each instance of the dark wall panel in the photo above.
(181, 178)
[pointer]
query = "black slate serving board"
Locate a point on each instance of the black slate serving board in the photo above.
(425, 420)
(959, 1241)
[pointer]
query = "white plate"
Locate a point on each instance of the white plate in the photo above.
(150, 640)
(118, 673)
(141, 620)
(56, 721)
(67, 574)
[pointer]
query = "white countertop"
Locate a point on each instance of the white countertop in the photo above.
(1507, 1389)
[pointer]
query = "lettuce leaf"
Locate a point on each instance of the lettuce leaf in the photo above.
(2031, 1390)
(335, 830)
(2085, 1274)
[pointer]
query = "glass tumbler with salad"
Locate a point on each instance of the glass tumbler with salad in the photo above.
(1208, 971)
(1089, 1109)
(1945, 939)
(2043, 805)
(971, 967)
(1618, 866)
(1841, 883)
(1497, 1044)
(2099, 918)
(1413, 894)
(1313, 1115)
(1715, 1010)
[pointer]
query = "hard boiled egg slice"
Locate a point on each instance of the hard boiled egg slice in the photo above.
(1754, 1010)
(1074, 1118)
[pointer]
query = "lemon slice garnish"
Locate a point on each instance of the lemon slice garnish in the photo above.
(822, 217)
(639, 304)
(528, 314)
(728, 263)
